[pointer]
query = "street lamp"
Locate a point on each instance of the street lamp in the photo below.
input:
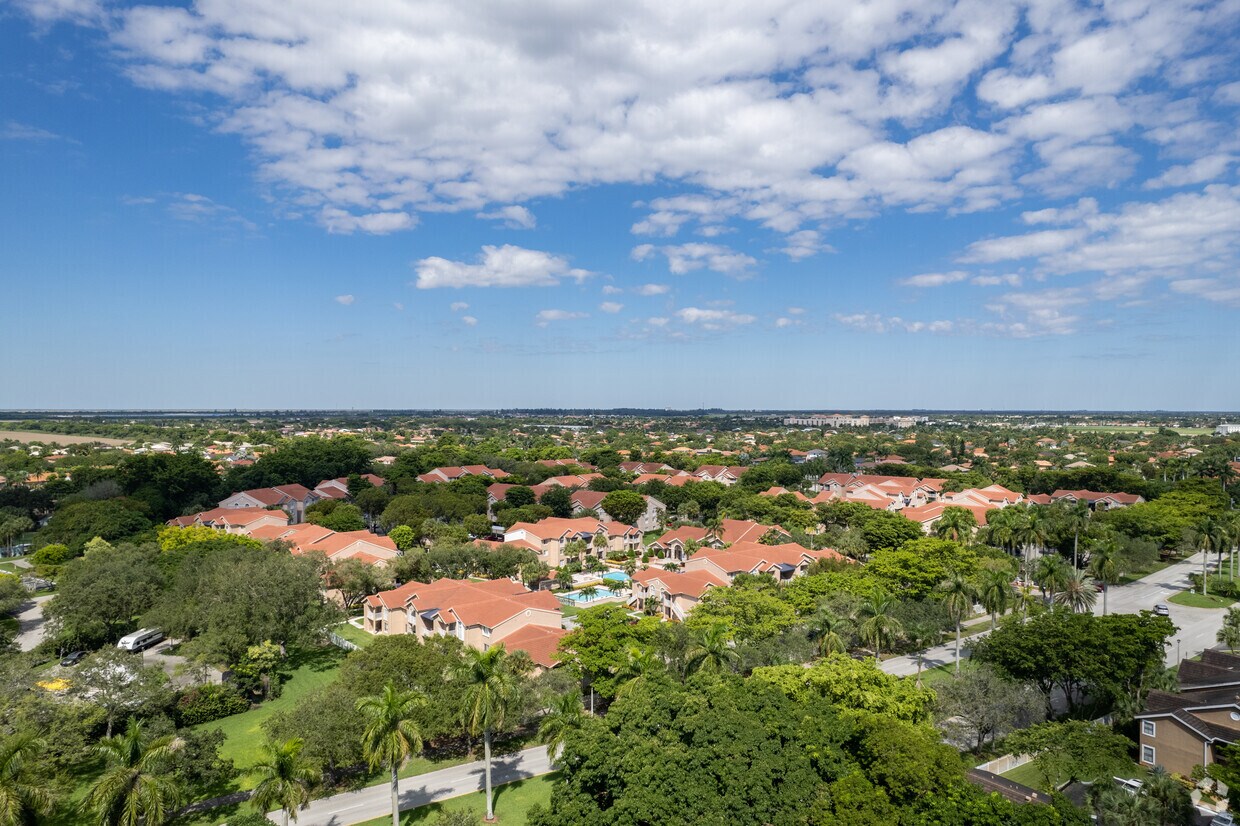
(1177, 651)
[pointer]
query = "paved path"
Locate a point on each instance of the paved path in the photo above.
(30, 623)
(432, 787)
(1198, 627)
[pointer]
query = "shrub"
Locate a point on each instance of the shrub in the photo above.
(204, 703)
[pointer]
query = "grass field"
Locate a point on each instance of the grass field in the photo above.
(1135, 429)
(1192, 600)
(244, 733)
(27, 436)
(512, 801)
(354, 634)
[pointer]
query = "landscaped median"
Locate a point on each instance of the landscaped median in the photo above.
(1192, 599)
(512, 802)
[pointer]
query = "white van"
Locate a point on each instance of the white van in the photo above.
(140, 640)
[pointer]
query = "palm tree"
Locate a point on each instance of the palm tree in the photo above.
(880, 627)
(1075, 517)
(1229, 634)
(1050, 573)
(958, 597)
(600, 545)
(588, 593)
(956, 524)
(828, 628)
(1104, 567)
(712, 650)
(1213, 536)
(642, 662)
(391, 735)
(995, 593)
(1078, 593)
(492, 689)
(24, 794)
(918, 635)
(137, 788)
(1001, 527)
(567, 714)
(284, 778)
(715, 526)
(1031, 533)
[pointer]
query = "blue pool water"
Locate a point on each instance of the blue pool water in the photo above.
(577, 598)
(616, 576)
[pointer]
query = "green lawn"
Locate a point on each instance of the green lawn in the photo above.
(1026, 775)
(244, 733)
(353, 634)
(1201, 600)
(512, 801)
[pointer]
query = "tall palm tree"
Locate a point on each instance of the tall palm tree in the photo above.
(137, 788)
(1104, 567)
(711, 651)
(1031, 533)
(995, 593)
(956, 524)
(566, 715)
(391, 735)
(919, 635)
(1212, 536)
(1050, 573)
(1075, 517)
(1079, 594)
(492, 690)
(285, 778)
(958, 598)
(588, 593)
(828, 628)
(24, 795)
(880, 628)
(1001, 527)
(714, 525)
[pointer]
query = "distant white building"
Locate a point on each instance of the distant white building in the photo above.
(1226, 429)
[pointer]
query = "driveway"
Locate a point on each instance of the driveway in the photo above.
(420, 790)
(30, 623)
(173, 665)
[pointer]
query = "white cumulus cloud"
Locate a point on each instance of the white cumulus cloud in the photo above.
(506, 266)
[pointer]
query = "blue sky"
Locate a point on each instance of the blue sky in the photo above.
(798, 205)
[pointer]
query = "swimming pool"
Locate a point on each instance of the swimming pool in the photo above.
(616, 576)
(576, 597)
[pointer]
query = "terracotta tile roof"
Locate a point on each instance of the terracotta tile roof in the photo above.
(538, 641)
(681, 583)
(239, 517)
(451, 473)
(685, 533)
(742, 530)
(933, 510)
(573, 480)
(554, 527)
(588, 499)
(753, 556)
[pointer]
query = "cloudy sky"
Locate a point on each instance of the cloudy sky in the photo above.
(896, 203)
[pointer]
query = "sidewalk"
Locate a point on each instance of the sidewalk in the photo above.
(420, 790)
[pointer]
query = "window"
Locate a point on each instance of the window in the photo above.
(486, 632)
(1147, 754)
(1147, 728)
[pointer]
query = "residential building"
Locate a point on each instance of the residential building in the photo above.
(551, 536)
(292, 499)
(339, 488)
(783, 562)
(672, 594)
(451, 474)
(727, 475)
(672, 544)
(1096, 500)
(335, 545)
(651, 519)
(1182, 729)
(929, 514)
(233, 520)
(479, 614)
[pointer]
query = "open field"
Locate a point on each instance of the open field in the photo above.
(28, 436)
(512, 801)
(1134, 429)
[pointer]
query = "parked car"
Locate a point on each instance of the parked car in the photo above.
(73, 659)
(1162, 610)
(1222, 819)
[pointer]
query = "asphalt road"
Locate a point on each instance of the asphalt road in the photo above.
(432, 787)
(1198, 627)
(30, 623)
